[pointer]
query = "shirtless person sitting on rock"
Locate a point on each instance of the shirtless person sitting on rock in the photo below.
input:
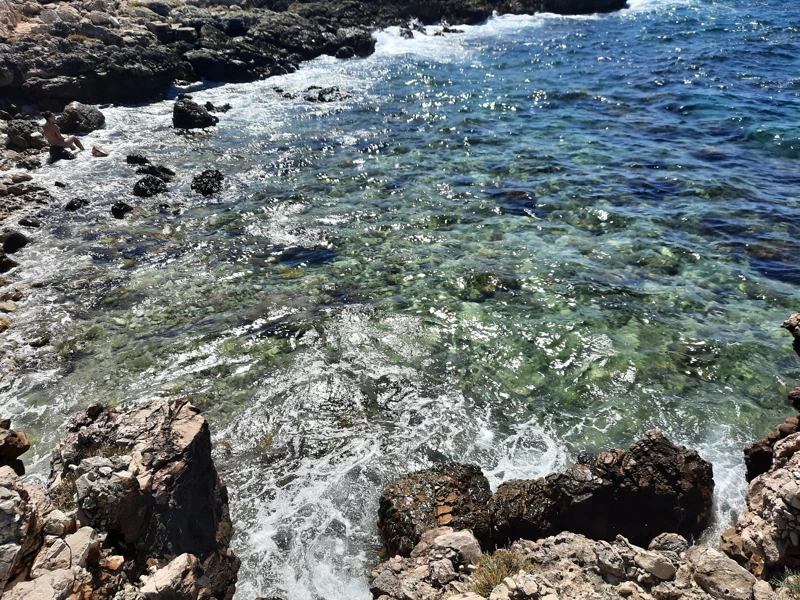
(54, 137)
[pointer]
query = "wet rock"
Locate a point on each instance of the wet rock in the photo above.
(164, 173)
(345, 52)
(328, 94)
(223, 109)
(137, 159)
(80, 118)
(21, 178)
(5, 324)
(14, 241)
(76, 204)
(29, 163)
(6, 264)
(56, 154)
(758, 455)
(120, 209)
(208, 182)
(187, 114)
(7, 307)
(149, 185)
(99, 152)
(30, 222)
(450, 494)
(653, 487)
(60, 184)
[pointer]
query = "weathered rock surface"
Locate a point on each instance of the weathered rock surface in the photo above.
(149, 185)
(758, 455)
(187, 114)
(450, 494)
(767, 537)
(22, 135)
(13, 444)
(652, 488)
(792, 325)
(80, 118)
(208, 182)
(146, 478)
(134, 510)
(570, 566)
(123, 52)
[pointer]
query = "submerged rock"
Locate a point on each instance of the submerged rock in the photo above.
(120, 209)
(149, 185)
(76, 204)
(160, 171)
(80, 118)
(137, 159)
(187, 114)
(652, 488)
(451, 494)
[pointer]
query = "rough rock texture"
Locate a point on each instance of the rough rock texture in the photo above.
(80, 118)
(146, 479)
(450, 494)
(767, 537)
(792, 324)
(569, 566)
(208, 182)
(13, 444)
(187, 114)
(758, 455)
(23, 135)
(652, 488)
(128, 51)
(149, 185)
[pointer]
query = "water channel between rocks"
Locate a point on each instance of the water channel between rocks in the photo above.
(541, 236)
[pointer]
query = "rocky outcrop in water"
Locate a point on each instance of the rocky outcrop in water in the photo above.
(187, 114)
(758, 455)
(134, 509)
(122, 51)
(792, 325)
(13, 444)
(652, 488)
(567, 566)
(208, 182)
(149, 185)
(451, 494)
(80, 118)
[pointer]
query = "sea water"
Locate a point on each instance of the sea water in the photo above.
(541, 236)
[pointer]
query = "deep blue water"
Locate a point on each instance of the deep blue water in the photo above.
(541, 236)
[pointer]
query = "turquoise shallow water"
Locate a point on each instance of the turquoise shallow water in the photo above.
(541, 236)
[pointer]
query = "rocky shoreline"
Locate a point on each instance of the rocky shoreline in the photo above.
(134, 509)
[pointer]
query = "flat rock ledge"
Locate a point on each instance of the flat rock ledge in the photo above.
(134, 510)
(568, 566)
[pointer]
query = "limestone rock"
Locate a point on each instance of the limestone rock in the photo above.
(177, 580)
(720, 576)
(450, 494)
(758, 455)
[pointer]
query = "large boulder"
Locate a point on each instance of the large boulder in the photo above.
(146, 477)
(187, 114)
(80, 118)
(652, 488)
(451, 494)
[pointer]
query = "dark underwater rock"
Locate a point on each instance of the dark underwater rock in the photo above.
(452, 494)
(160, 171)
(14, 241)
(149, 185)
(208, 182)
(120, 209)
(137, 159)
(76, 204)
(188, 114)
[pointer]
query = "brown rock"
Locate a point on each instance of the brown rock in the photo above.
(792, 325)
(652, 488)
(452, 494)
(758, 455)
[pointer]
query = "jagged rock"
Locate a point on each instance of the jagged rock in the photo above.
(792, 325)
(767, 537)
(187, 114)
(80, 118)
(718, 575)
(146, 476)
(14, 241)
(22, 135)
(208, 182)
(177, 580)
(450, 494)
(13, 444)
(653, 487)
(149, 185)
(328, 94)
(137, 159)
(758, 455)
(120, 209)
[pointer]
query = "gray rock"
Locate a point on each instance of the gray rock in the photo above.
(718, 575)
(80, 118)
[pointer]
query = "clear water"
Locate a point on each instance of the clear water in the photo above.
(541, 236)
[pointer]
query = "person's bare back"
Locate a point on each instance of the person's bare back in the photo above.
(54, 136)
